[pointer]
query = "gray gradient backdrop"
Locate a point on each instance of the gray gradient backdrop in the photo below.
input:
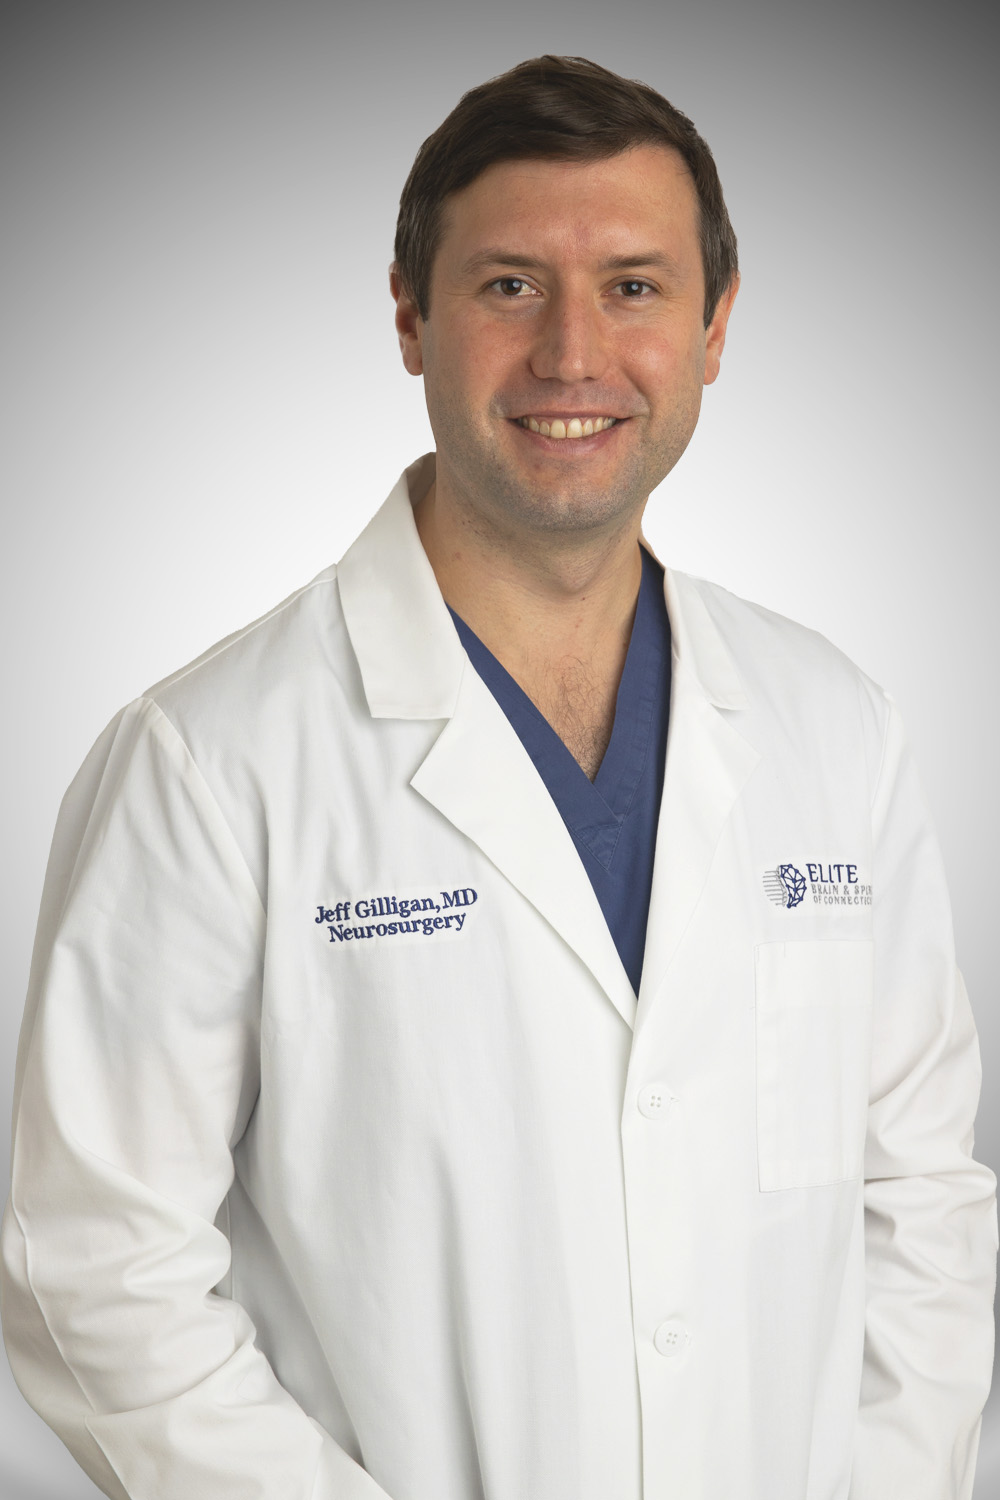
(204, 402)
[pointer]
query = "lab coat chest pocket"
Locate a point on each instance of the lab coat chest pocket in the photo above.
(813, 1004)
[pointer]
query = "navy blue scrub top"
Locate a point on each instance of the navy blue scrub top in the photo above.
(612, 819)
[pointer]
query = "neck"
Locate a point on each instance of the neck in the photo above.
(551, 594)
(555, 608)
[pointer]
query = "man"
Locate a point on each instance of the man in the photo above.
(389, 1121)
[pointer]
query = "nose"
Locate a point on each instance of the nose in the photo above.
(571, 341)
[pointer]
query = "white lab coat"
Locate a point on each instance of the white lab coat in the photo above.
(311, 1205)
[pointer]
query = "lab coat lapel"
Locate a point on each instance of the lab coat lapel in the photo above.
(708, 764)
(477, 773)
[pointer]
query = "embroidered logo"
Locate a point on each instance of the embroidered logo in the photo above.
(826, 885)
(785, 886)
(351, 921)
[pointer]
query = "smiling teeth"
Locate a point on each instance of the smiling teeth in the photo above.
(576, 427)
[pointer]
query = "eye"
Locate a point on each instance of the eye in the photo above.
(512, 287)
(634, 288)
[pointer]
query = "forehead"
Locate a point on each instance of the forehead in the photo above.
(640, 197)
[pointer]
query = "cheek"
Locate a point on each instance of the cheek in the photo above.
(491, 351)
(665, 369)
(468, 360)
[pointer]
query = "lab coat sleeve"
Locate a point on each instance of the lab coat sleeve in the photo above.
(930, 1209)
(137, 1072)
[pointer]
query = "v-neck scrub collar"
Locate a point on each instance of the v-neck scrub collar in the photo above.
(613, 819)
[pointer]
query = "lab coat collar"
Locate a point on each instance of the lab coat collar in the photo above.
(413, 666)
(410, 656)
(408, 650)
(696, 641)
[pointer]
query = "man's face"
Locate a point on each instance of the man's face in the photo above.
(566, 298)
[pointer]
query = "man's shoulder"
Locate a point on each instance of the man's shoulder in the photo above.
(260, 668)
(782, 665)
(761, 635)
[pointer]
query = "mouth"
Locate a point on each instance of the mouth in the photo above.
(567, 428)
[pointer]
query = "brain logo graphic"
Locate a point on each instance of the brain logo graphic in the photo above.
(794, 883)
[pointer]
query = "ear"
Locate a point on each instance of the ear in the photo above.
(715, 333)
(409, 324)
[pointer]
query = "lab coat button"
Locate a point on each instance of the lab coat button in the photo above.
(671, 1338)
(654, 1101)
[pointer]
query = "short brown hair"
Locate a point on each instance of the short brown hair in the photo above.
(563, 109)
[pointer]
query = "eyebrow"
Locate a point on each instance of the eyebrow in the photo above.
(498, 256)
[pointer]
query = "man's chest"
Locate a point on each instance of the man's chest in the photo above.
(577, 699)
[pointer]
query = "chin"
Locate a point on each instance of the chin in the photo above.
(570, 510)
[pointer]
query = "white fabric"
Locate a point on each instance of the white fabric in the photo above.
(452, 1214)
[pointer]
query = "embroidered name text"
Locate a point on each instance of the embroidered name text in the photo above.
(407, 913)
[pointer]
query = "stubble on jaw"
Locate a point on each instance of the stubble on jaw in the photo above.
(499, 504)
